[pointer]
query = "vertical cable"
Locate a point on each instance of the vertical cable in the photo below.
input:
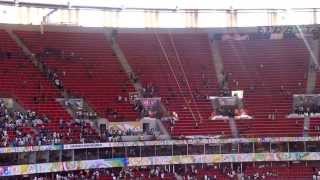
(184, 75)
(174, 75)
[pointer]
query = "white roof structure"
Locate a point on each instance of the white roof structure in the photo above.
(164, 13)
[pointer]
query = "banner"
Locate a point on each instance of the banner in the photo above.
(84, 146)
(61, 166)
(196, 140)
(150, 103)
(134, 126)
(30, 148)
(223, 158)
(156, 160)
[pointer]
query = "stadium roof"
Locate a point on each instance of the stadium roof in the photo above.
(160, 13)
(170, 4)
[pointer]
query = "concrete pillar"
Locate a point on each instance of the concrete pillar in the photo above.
(313, 47)
(217, 59)
(306, 126)
(233, 127)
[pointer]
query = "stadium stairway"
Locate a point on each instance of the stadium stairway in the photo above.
(122, 60)
(218, 64)
(137, 85)
(217, 60)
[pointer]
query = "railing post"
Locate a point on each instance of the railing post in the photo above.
(187, 149)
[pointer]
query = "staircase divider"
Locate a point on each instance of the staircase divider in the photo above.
(112, 38)
(218, 64)
(38, 64)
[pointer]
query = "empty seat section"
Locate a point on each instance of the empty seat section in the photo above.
(269, 72)
(92, 71)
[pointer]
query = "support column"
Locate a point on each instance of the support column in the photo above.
(313, 47)
(217, 59)
(313, 63)
(233, 127)
(306, 126)
(218, 64)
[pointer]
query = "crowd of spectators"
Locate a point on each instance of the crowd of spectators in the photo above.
(14, 122)
(29, 128)
(157, 172)
(307, 106)
(115, 135)
(177, 172)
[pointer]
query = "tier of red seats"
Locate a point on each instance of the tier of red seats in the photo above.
(22, 81)
(269, 72)
(316, 121)
(94, 73)
(162, 60)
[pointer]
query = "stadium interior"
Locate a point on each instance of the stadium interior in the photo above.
(171, 90)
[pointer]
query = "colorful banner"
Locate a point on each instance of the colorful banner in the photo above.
(157, 160)
(84, 146)
(30, 148)
(61, 166)
(223, 158)
(201, 140)
(149, 103)
(134, 126)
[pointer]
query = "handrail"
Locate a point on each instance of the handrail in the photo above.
(196, 140)
(174, 75)
(185, 76)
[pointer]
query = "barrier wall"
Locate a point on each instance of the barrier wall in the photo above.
(224, 158)
(61, 166)
(151, 143)
(157, 160)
